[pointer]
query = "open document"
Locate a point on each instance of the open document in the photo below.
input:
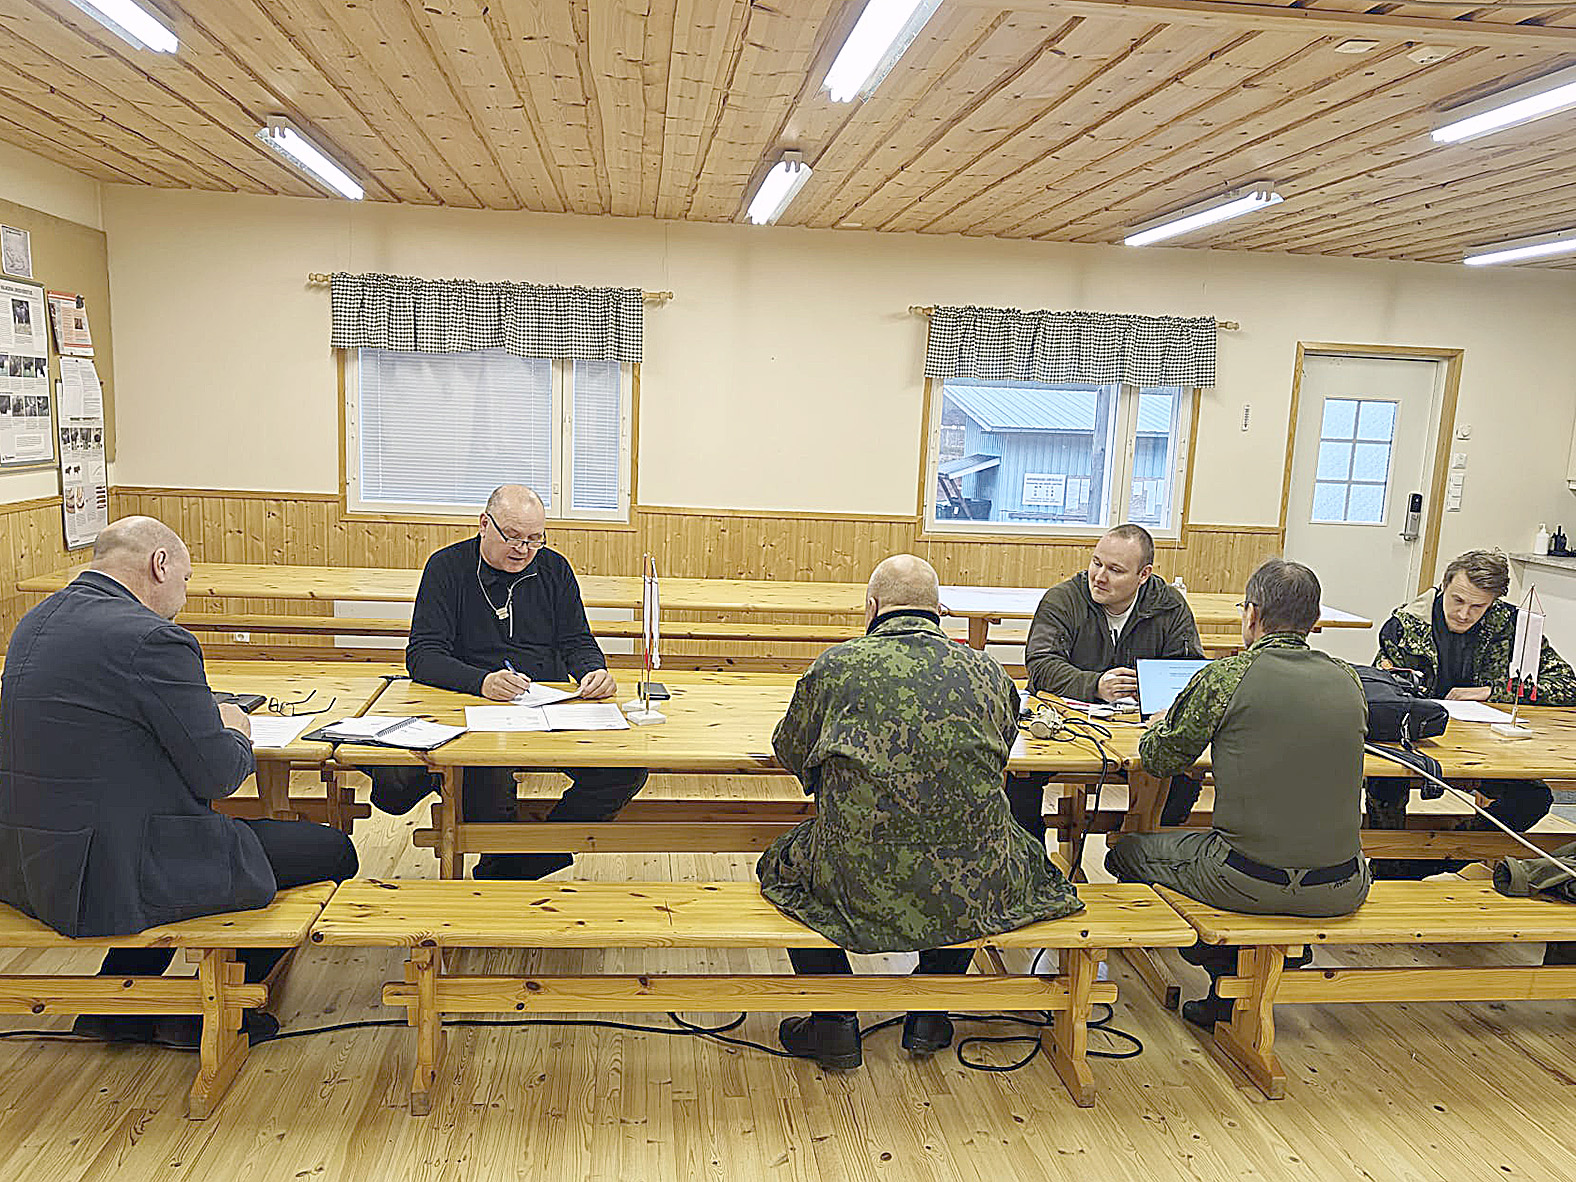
(540, 695)
(562, 716)
(381, 730)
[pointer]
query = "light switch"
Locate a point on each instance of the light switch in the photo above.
(1458, 460)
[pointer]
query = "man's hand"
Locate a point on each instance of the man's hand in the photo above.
(1117, 683)
(235, 718)
(502, 685)
(598, 683)
(1469, 693)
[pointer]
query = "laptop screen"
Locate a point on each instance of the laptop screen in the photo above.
(1160, 681)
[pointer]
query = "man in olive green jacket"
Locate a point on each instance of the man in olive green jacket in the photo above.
(1285, 724)
(1086, 640)
(902, 736)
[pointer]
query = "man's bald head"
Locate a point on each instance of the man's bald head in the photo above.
(513, 500)
(902, 581)
(148, 558)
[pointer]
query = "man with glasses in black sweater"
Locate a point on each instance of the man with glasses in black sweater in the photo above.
(493, 614)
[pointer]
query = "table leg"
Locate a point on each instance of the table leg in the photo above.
(979, 629)
(1146, 800)
(273, 789)
(446, 820)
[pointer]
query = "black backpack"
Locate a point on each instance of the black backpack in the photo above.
(1396, 711)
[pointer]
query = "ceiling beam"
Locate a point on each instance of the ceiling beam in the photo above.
(1224, 14)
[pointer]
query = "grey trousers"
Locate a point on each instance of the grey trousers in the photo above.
(1194, 864)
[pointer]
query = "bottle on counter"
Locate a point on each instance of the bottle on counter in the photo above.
(1558, 544)
(1540, 543)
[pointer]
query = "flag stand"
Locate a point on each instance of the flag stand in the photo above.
(1529, 635)
(639, 710)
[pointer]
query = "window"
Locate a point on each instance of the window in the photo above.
(1353, 474)
(1035, 458)
(437, 432)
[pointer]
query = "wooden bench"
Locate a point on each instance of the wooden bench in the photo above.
(1395, 913)
(218, 992)
(433, 917)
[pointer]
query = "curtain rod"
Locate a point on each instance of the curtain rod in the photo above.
(651, 297)
(927, 309)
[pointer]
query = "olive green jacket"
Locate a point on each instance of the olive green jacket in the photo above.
(1070, 643)
(903, 737)
(1406, 641)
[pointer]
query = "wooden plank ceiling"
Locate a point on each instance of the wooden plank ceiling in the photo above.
(1062, 120)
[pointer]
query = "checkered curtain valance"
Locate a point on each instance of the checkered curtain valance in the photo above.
(1005, 344)
(459, 315)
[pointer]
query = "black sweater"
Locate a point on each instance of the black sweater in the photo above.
(456, 639)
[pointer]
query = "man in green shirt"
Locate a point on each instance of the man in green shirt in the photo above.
(1285, 724)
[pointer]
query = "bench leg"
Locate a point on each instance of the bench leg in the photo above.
(422, 970)
(1154, 975)
(224, 1047)
(446, 816)
(1249, 1039)
(1068, 1044)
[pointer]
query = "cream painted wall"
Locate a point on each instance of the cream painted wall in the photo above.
(28, 179)
(787, 373)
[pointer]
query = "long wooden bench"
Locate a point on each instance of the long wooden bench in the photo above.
(433, 917)
(1395, 913)
(218, 992)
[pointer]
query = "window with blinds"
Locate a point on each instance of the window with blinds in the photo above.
(437, 432)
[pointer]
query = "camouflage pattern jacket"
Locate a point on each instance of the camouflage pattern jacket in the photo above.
(902, 736)
(1406, 641)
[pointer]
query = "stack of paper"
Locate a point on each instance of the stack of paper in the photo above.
(555, 716)
(1473, 711)
(269, 732)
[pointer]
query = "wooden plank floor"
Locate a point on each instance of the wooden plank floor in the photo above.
(1441, 1092)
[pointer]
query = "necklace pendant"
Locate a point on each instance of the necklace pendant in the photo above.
(501, 612)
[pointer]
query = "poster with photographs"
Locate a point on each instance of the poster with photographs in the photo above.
(26, 434)
(68, 315)
(84, 483)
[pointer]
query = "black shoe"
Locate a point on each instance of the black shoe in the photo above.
(1302, 960)
(184, 1031)
(397, 790)
(926, 1033)
(520, 866)
(1559, 953)
(832, 1040)
(1219, 960)
(1207, 1011)
(114, 1027)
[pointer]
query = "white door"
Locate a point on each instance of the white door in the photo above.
(1366, 431)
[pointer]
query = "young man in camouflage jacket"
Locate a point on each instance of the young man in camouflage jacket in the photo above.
(1459, 638)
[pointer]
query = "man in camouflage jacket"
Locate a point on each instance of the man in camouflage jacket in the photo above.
(902, 736)
(1285, 724)
(1459, 638)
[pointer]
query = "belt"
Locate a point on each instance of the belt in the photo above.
(1315, 877)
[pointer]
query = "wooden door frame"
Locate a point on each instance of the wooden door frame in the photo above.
(1434, 514)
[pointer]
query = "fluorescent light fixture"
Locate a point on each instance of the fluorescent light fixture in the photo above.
(778, 187)
(283, 138)
(1522, 250)
(131, 22)
(1531, 100)
(884, 31)
(1258, 195)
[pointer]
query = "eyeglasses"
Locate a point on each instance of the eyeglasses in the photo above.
(534, 542)
(276, 706)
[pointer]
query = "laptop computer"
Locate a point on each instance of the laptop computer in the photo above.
(1160, 681)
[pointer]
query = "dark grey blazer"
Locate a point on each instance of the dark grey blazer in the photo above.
(111, 748)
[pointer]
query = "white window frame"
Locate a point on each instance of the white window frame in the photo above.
(562, 451)
(1125, 449)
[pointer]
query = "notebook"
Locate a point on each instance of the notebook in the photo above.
(1160, 681)
(381, 730)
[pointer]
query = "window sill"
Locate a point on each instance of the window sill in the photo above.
(1170, 539)
(414, 518)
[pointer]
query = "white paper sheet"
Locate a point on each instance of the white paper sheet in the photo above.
(537, 695)
(586, 716)
(366, 727)
(505, 719)
(268, 731)
(1474, 711)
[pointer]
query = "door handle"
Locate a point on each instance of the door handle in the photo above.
(1414, 517)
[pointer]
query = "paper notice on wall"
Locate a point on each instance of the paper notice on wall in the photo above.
(84, 482)
(16, 251)
(25, 430)
(68, 316)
